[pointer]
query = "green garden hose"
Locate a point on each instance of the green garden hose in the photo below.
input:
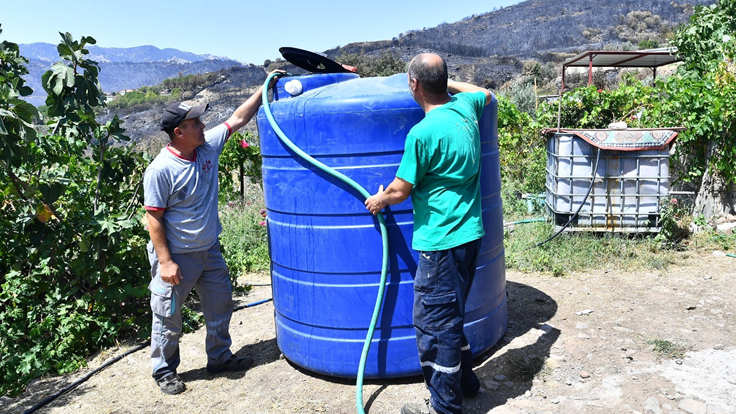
(384, 238)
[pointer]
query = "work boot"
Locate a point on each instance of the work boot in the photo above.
(234, 364)
(425, 408)
(171, 384)
(471, 391)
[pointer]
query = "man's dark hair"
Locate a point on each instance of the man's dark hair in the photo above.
(433, 78)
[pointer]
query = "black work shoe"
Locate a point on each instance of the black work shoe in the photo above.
(425, 408)
(471, 392)
(233, 364)
(171, 384)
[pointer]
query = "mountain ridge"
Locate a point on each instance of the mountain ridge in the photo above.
(137, 54)
(122, 68)
(533, 28)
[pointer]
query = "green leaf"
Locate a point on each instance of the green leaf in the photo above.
(126, 224)
(84, 245)
(89, 40)
(25, 110)
(52, 191)
(69, 76)
(25, 90)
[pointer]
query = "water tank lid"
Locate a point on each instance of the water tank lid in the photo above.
(313, 62)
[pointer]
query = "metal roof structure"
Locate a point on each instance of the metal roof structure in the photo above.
(652, 58)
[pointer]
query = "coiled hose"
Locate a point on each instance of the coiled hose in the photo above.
(381, 222)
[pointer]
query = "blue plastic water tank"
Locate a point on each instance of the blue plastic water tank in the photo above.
(325, 247)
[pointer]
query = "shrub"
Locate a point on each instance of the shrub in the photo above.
(73, 269)
(521, 147)
(243, 237)
(386, 64)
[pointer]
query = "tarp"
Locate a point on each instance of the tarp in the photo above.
(630, 139)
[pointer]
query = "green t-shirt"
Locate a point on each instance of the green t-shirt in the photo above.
(442, 161)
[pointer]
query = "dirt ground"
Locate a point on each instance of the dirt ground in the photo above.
(581, 343)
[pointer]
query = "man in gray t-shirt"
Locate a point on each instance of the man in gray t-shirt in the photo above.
(181, 190)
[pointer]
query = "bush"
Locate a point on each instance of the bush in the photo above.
(243, 238)
(73, 267)
(523, 96)
(386, 64)
(240, 162)
(243, 217)
(521, 147)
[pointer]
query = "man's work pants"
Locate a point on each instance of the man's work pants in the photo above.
(206, 272)
(441, 287)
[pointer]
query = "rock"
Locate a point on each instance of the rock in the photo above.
(708, 277)
(546, 328)
(509, 384)
(651, 406)
(582, 336)
(691, 406)
(4, 400)
(499, 377)
(712, 409)
(725, 228)
(491, 385)
(584, 312)
(584, 374)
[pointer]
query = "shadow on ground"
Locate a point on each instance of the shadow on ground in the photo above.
(517, 361)
(528, 309)
(512, 364)
(263, 352)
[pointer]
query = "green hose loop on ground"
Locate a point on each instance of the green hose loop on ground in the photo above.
(381, 222)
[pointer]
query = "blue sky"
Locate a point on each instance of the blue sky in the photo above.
(248, 31)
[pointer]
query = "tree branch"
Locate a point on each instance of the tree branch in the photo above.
(132, 200)
(99, 173)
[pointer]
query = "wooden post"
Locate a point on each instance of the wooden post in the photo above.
(590, 70)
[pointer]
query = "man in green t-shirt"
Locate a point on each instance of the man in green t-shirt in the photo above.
(440, 169)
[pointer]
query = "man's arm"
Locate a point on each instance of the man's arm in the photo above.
(245, 112)
(169, 269)
(458, 87)
(398, 191)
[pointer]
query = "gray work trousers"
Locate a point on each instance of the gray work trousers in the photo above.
(207, 273)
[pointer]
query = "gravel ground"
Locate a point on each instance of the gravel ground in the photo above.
(582, 343)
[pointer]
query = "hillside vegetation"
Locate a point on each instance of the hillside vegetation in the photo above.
(541, 29)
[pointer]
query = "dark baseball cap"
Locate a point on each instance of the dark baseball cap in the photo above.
(179, 111)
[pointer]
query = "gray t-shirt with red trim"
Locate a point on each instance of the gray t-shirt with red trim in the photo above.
(187, 190)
